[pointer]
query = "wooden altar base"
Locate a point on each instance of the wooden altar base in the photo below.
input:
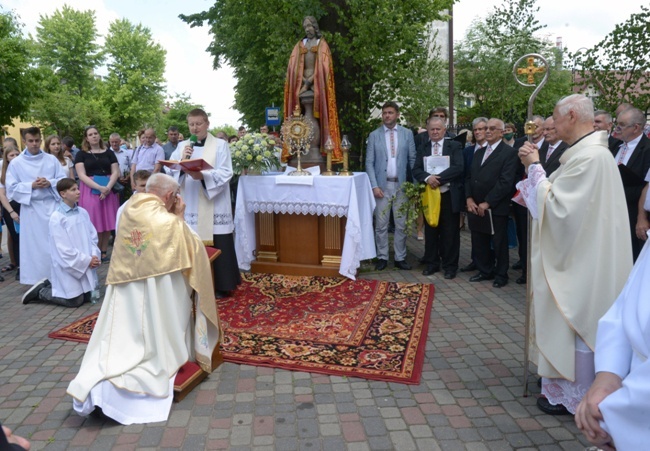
(298, 245)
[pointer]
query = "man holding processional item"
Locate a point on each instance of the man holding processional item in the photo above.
(145, 331)
(580, 252)
(309, 86)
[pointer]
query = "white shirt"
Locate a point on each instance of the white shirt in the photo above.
(443, 188)
(391, 168)
(124, 159)
(631, 146)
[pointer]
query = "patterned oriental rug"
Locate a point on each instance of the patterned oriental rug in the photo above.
(364, 328)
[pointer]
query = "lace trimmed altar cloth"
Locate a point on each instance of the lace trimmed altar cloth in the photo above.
(328, 196)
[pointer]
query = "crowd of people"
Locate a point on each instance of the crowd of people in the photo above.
(579, 178)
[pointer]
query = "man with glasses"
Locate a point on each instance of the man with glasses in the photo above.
(488, 189)
(580, 252)
(479, 126)
(633, 158)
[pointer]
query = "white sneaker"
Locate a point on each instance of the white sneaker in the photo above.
(32, 293)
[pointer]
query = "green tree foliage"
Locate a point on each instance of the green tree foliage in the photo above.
(373, 44)
(133, 90)
(67, 46)
(228, 129)
(485, 57)
(18, 83)
(618, 66)
(176, 114)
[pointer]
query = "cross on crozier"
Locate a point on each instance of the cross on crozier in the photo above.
(531, 70)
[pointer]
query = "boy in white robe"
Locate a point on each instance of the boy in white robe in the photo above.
(74, 252)
(31, 181)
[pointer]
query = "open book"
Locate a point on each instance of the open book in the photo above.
(194, 165)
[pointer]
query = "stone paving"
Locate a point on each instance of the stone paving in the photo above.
(469, 398)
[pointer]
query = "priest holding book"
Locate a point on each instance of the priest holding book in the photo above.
(207, 195)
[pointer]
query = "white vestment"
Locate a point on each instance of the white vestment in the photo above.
(623, 348)
(36, 208)
(217, 186)
(137, 346)
(580, 254)
(73, 243)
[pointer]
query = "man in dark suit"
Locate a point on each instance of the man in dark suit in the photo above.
(553, 148)
(442, 243)
(603, 121)
(489, 187)
(634, 154)
(479, 127)
(390, 151)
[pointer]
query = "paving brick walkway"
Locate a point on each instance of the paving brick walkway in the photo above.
(470, 396)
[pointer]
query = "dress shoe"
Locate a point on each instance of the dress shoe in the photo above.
(220, 294)
(500, 283)
(381, 265)
(450, 275)
(517, 265)
(480, 278)
(545, 406)
(521, 280)
(402, 264)
(430, 269)
(470, 267)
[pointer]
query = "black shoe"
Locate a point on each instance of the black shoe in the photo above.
(500, 283)
(381, 265)
(470, 267)
(517, 265)
(480, 278)
(32, 294)
(521, 280)
(430, 269)
(545, 406)
(450, 275)
(220, 294)
(402, 264)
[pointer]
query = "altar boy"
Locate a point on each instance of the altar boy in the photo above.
(75, 255)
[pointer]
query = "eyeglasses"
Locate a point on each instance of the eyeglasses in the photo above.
(620, 127)
(493, 129)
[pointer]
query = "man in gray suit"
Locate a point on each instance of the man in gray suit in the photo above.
(390, 150)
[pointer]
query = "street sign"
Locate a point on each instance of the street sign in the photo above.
(273, 116)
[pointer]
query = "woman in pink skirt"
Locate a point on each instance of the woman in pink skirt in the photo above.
(98, 171)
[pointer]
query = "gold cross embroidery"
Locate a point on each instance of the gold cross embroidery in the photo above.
(531, 70)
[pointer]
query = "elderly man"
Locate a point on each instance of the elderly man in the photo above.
(576, 271)
(442, 243)
(614, 413)
(124, 158)
(390, 151)
(488, 189)
(31, 181)
(145, 330)
(550, 154)
(633, 159)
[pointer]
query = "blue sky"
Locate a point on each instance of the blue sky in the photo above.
(580, 23)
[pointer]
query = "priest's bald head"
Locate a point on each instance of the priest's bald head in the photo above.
(574, 117)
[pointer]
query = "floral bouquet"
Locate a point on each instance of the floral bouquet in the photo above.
(254, 152)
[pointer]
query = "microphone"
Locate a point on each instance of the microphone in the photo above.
(193, 140)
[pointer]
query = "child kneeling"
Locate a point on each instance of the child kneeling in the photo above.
(75, 255)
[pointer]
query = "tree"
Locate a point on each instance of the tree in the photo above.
(66, 45)
(17, 87)
(134, 87)
(619, 65)
(484, 60)
(372, 53)
(176, 114)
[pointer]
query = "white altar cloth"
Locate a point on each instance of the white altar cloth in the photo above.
(334, 196)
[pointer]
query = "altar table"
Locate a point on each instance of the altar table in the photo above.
(331, 198)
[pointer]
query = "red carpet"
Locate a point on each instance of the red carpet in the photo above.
(369, 329)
